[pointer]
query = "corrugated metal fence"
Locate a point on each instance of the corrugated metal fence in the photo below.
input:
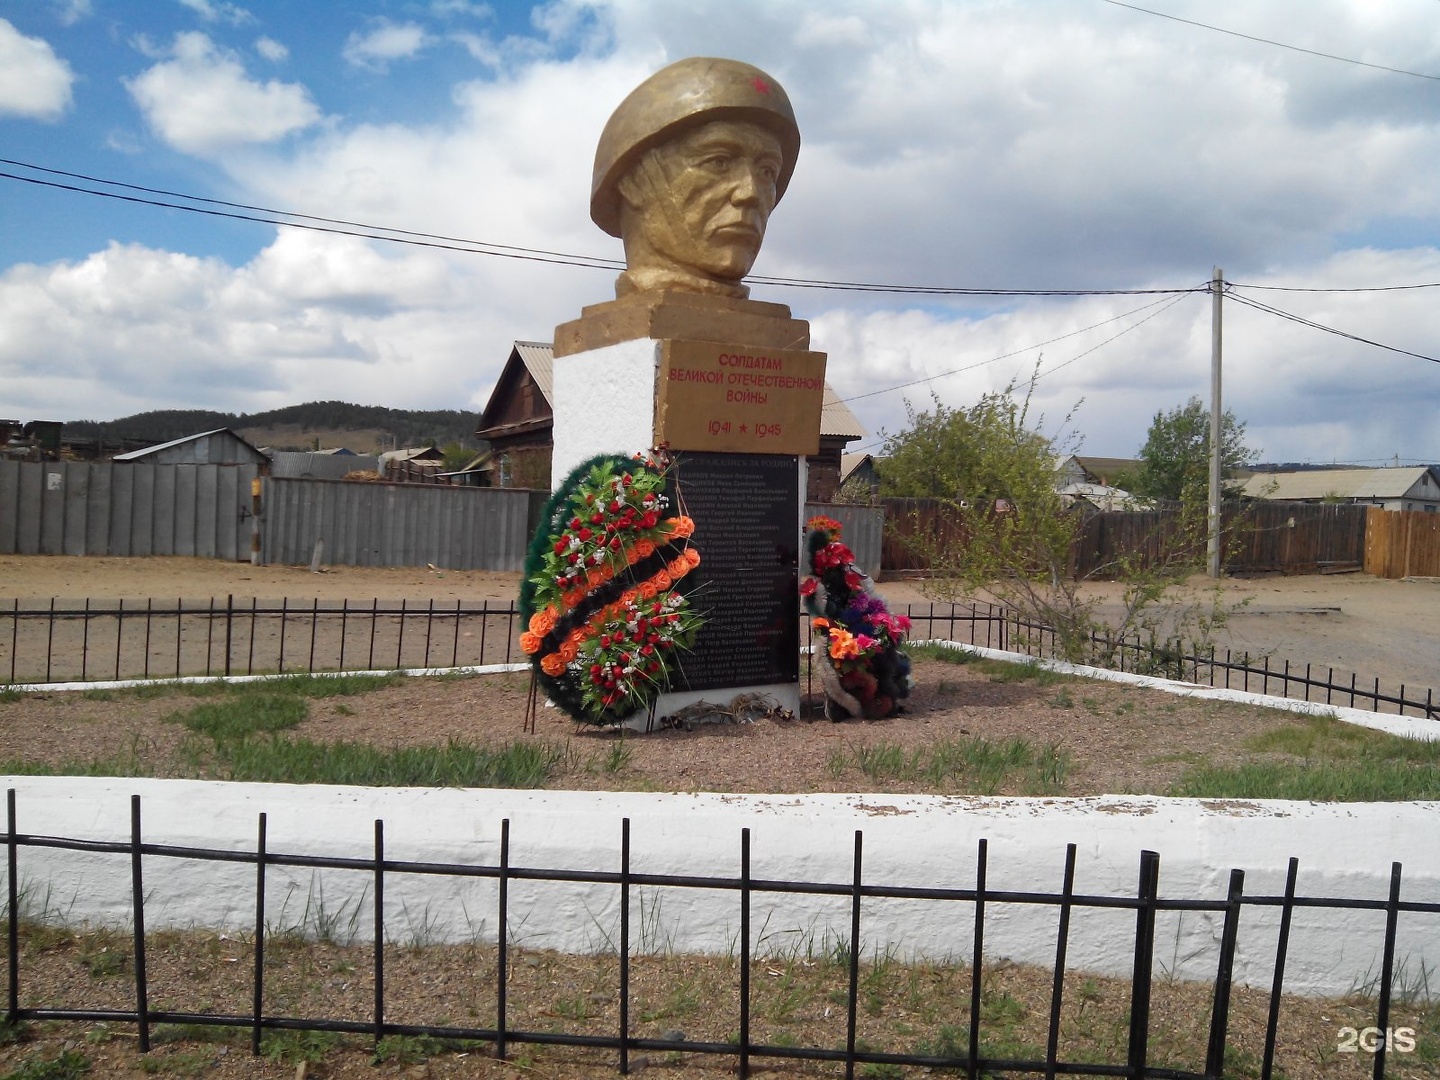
(104, 508)
(378, 524)
(861, 527)
(321, 466)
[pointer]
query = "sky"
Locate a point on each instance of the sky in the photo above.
(1116, 154)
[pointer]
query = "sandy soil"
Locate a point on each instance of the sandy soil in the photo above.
(1352, 622)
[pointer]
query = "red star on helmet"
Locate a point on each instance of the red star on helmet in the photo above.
(760, 85)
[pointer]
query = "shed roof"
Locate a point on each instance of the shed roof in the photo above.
(1381, 483)
(148, 451)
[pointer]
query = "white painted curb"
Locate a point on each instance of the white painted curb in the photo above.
(1344, 851)
(1409, 727)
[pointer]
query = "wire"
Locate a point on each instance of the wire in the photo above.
(1358, 289)
(1328, 329)
(340, 227)
(1017, 352)
(615, 264)
(1277, 44)
(1107, 341)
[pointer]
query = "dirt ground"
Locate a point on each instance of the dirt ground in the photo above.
(1352, 622)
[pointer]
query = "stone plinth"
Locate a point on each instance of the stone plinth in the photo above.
(604, 393)
(683, 316)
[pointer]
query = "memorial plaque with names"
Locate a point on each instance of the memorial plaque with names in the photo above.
(746, 511)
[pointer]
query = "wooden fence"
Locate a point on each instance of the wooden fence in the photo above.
(1402, 543)
(1295, 538)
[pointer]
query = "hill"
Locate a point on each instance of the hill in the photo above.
(362, 428)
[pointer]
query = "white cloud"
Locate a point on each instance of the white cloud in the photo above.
(310, 318)
(387, 41)
(34, 82)
(71, 12)
(446, 9)
(233, 14)
(271, 50)
(202, 101)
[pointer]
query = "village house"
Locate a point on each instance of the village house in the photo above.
(1411, 487)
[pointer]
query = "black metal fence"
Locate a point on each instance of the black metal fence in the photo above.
(81, 641)
(993, 626)
(378, 869)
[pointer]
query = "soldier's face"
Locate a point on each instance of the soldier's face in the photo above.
(718, 190)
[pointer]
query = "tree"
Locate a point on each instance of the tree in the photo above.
(1175, 460)
(1004, 533)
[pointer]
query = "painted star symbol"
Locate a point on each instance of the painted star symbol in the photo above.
(760, 85)
(743, 429)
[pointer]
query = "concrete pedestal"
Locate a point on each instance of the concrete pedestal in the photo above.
(605, 403)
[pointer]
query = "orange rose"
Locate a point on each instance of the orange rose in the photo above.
(682, 526)
(646, 548)
(542, 622)
(530, 641)
(569, 650)
(678, 567)
(843, 645)
(662, 580)
(596, 575)
(692, 556)
(578, 636)
(573, 597)
(553, 664)
(648, 590)
(628, 597)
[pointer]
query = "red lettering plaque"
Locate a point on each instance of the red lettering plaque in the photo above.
(739, 399)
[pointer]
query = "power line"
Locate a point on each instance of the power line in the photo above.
(1027, 348)
(1355, 289)
(1107, 341)
(615, 264)
(1277, 44)
(1292, 317)
(336, 226)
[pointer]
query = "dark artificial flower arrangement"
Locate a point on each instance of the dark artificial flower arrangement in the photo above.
(866, 673)
(604, 620)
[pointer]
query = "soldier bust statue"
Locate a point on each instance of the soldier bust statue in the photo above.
(686, 174)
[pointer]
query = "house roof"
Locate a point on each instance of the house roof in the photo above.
(852, 461)
(144, 452)
(1107, 467)
(1101, 495)
(539, 359)
(837, 419)
(1383, 483)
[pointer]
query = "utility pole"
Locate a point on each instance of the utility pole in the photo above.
(1212, 543)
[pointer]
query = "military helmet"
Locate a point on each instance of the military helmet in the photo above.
(686, 94)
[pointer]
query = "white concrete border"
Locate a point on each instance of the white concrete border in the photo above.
(1409, 727)
(1345, 850)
